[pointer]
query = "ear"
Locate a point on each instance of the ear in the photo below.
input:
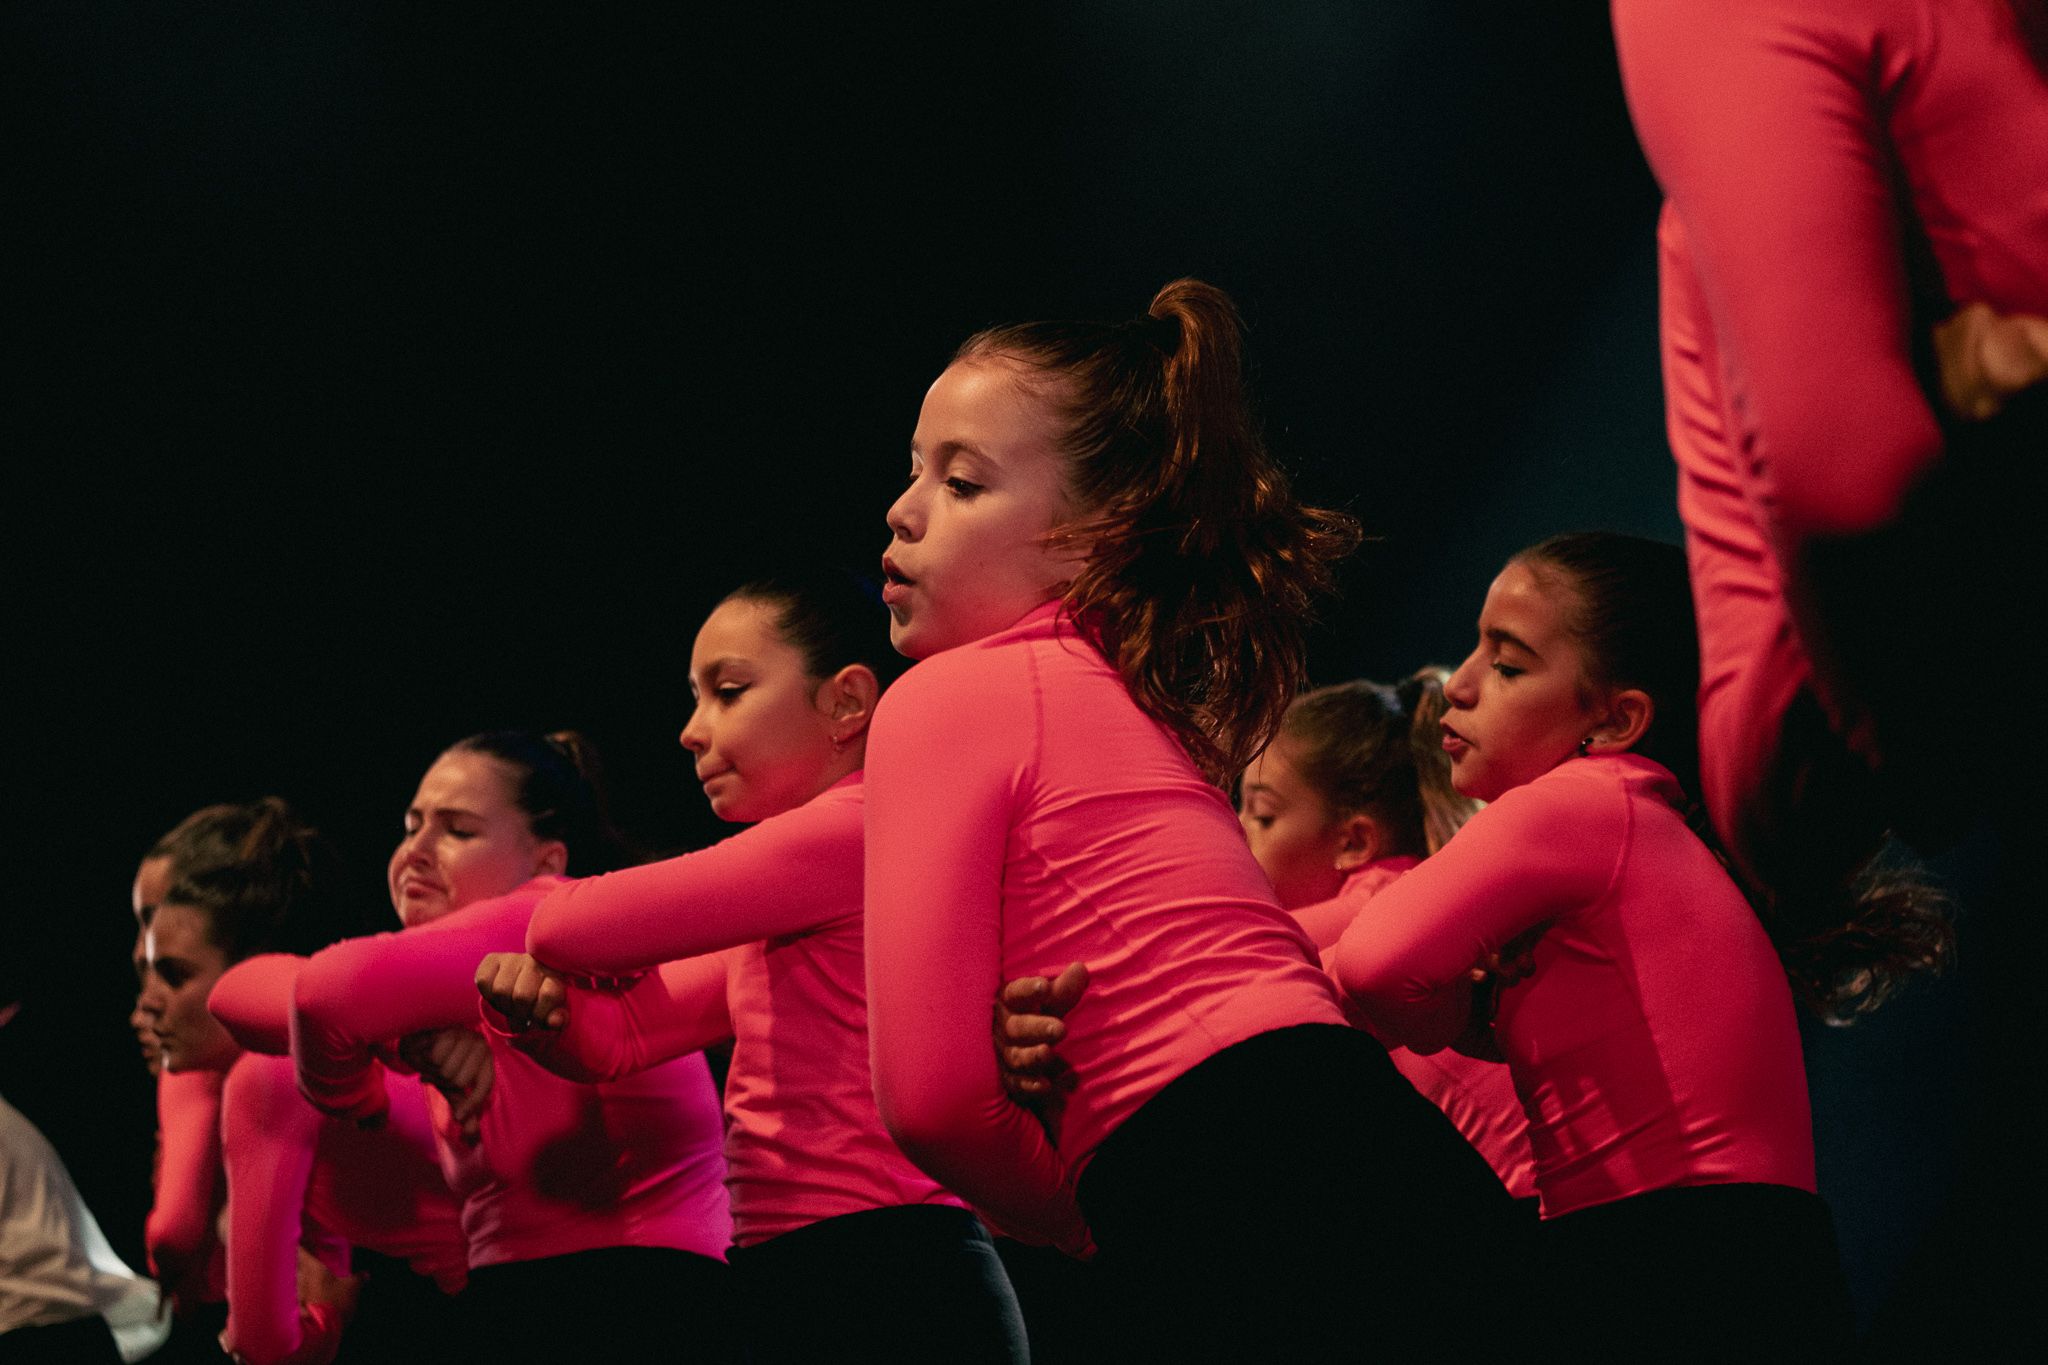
(551, 858)
(1358, 842)
(1629, 713)
(847, 699)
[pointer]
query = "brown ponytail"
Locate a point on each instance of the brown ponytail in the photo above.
(559, 786)
(1846, 944)
(261, 878)
(1203, 570)
(1370, 749)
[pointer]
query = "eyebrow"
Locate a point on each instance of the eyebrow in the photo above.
(945, 448)
(1508, 637)
(443, 810)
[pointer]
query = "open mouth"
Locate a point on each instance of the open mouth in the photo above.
(896, 584)
(1454, 743)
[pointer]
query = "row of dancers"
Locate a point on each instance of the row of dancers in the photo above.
(1464, 940)
(1286, 1074)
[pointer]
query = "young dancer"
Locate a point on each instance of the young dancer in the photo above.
(842, 1246)
(593, 1213)
(1104, 577)
(292, 1178)
(1652, 1041)
(182, 1231)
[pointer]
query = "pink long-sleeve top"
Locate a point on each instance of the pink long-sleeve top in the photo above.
(299, 1178)
(768, 926)
(1477, 1096)
(1023, 814)
(377, 1188)
(1654, 1042)
(559, 1167)
(181, 1231)
(1800, 143)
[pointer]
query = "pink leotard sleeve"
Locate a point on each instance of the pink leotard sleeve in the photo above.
(1023, 814)
(180, 1231)
(780, 903)
(790, 874)
(559, 1167)
(1405, 966)
(1653, 1044)
(253, 1001)
(366, 991)
(269, 1139)
(297, 1177)
(678, 1008)
(1778, 130)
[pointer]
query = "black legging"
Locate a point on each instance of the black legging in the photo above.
(1293, 1198)
(913, 1285)
(610, 1303)
(1698, 1272)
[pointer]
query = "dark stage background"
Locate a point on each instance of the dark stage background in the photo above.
(385, 373)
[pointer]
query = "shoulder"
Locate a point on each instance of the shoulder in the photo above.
(964, 686)
(1571, 800)
(832, 815)
(261, 1096)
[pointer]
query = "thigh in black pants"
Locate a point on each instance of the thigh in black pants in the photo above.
(1293, 1198)
(1700, 1272)
(919, 1285)
(606, 1304)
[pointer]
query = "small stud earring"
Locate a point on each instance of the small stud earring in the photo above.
(1585, 746)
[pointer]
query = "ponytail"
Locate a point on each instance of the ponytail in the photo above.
(559, 786)
(1846, 944)
(263, 879)
(1203, 570)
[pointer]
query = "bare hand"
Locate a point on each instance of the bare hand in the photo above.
(1986, 358)
(527, 994)
(1028, 1029)
(456, 1062)
(318, 1284)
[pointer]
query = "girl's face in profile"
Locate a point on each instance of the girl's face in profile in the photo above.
(1521, 702)
(1292, 831)
(760, 735)
(968, 556)
(183, 965)
(465, 839)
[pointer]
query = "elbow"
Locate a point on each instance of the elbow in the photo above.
(925, 1127)
(317, 998)
(1837, 476)
(550, 939)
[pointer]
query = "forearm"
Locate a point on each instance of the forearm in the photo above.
(790, 874)
(611, 1034)
(364, 992)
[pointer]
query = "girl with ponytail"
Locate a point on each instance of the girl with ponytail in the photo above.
(1652, 1038)
(581, 1204)
(302, 1192)
(1105, 580)
(843, 1249)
